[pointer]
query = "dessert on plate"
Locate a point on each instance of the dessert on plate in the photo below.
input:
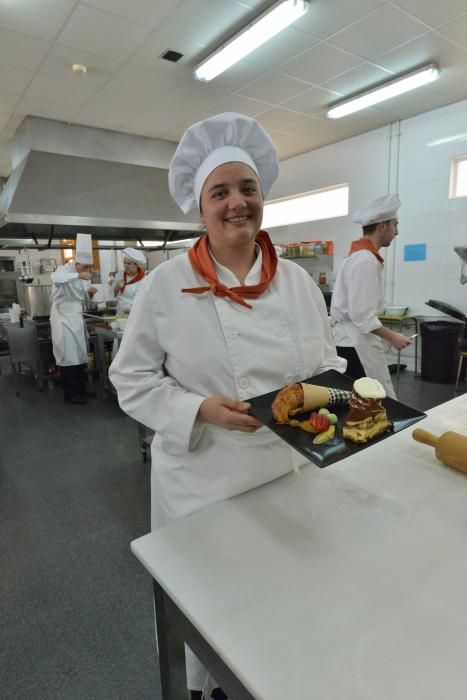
(367, 416)
(299, 398)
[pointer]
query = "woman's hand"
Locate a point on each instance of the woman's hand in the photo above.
(228, 414)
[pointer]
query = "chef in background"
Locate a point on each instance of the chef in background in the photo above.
(71, 286)
(358, 295)
(128, 282)
(218, 325)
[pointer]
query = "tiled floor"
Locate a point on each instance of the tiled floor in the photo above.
(76, 613)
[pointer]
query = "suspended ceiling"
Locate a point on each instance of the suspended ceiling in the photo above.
(339, 47)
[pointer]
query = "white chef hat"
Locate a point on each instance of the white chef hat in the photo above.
(224, 138)
(83, 248)
(380, 209)
(135, 255)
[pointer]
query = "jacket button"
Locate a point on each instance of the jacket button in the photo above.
(289, 378)
(280, 332)
(232, 333)
(243, 383)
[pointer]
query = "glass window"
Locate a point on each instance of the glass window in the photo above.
(458, 179)
(326, 203)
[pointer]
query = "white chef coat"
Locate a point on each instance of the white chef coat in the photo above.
(125, 300)
(180, 348)
(357, 299)
(69, 334)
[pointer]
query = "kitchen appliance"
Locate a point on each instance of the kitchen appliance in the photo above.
(450, 447)
(9, 289)
(38, 299)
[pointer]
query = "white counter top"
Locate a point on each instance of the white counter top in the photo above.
(344, 583)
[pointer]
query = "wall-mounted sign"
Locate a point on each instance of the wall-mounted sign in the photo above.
(415, 252)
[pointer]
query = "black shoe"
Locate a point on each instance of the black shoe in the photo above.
(90, 394)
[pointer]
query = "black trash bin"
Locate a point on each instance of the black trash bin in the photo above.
(440, 344)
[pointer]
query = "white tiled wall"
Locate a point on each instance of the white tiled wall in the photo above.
(373, 164)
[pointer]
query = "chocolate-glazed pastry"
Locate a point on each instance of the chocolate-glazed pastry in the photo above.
(367, 416)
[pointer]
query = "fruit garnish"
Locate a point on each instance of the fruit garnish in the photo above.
(324, 437)
(320, 423)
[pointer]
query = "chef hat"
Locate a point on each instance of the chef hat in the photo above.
(381, 209)
(83, 248)
(224, 138)
(136, 256)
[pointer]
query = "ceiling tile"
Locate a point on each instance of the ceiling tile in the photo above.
(14, 80)
(178, 106)
(324, 17)
(379, 31)
(456, 31)
(72, 92)
(274, 88)
(4, 117)
(357, 79)
(103, 34)
(288, 145)
(424, 49)
(43, 19)
(158, 42)
(234, 103)
(113, 108)
(42, 108)
(453, 81)
(283, 47)
(147, 12)
(312, 101)
(433, 12)
(8, 101)
(21, 51)
(279, 118)
(60, 59)
(211, 23)
(319, 64)
(418, 101)
(134, 81)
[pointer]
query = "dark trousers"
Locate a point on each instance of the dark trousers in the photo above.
(74, 381)
(354, 366)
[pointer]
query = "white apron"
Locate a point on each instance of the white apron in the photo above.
(69, 334)
(370, 350)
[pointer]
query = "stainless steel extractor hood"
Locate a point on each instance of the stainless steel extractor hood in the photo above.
(56, 193)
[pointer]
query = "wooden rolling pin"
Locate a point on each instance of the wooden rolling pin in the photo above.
(450, 448)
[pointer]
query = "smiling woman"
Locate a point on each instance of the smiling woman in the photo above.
(215, 327)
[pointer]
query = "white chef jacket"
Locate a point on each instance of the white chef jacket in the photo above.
(357, 299)
(125, 300)
(180, 348)
(69, 335)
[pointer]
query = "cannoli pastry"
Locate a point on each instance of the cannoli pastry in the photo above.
(298, 398)
(367, 417)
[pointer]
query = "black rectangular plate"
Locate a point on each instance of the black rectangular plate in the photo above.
(400, 415)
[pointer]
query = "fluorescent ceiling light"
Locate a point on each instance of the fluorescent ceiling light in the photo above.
(392, 88)
(267, 25)
(309, 206)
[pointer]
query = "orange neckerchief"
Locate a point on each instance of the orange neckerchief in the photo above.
(139, 276)
(203, 264)
(365, 244)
